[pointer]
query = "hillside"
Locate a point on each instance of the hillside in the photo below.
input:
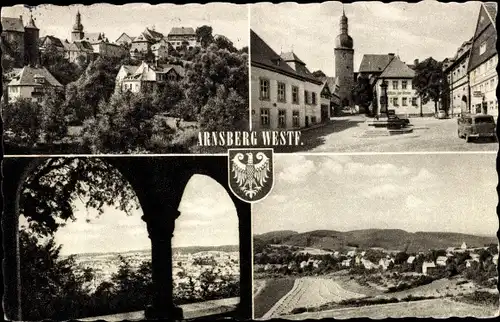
(391, 239)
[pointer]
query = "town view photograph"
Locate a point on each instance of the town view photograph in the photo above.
(376, 77)
(85, 249)
(378, 236)
(89, 79)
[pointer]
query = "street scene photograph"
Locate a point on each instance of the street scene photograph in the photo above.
(376, 77)
(378, 236)
(135, 78)
(91, 249)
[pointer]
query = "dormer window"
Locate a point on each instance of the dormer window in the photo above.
(39, 79)
(482, 49)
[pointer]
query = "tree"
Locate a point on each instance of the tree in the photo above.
(61, 68)
(166, 96)
(401, 258)
(319, 74)
(222, 42)
(362, 93)
(204, 35)
(24, 119)
(54, 123)
(225, 112)
(430, 81)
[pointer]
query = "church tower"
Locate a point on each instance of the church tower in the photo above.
(31, 50)
(344, 62)
(77, 33)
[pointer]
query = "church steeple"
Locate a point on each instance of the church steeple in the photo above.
(77, 33)
(344, 25)
(343, 39)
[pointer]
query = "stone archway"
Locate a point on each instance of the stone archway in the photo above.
(158, 183)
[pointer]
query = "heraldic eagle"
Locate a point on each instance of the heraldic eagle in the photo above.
(250, 177)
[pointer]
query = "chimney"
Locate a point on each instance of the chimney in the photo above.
(391, 54)
(415, 62)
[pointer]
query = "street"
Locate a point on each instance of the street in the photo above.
(353, 134)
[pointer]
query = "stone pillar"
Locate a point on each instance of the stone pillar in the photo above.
(160, 219)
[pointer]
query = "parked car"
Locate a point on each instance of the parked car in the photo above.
(476, 126)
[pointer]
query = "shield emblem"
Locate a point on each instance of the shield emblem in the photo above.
(251, 173)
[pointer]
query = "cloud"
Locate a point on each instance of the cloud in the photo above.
(375, 170)
(413, 202)
(424, 176)
(330, 167)
(296, 169)
(385, 191)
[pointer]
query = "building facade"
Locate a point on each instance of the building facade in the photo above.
(344, 63)
(284, 93)
(145, 76)
(458, 80)
(180, 37)
(31, 83)
(483, 59)
(20, 42)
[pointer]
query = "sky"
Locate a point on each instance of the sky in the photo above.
(422, 192)
(208, 218)
(226, 19)
(411, 30)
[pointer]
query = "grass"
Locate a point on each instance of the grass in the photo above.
(272, 292)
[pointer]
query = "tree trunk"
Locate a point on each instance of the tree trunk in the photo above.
(435, 107)
(421, 112)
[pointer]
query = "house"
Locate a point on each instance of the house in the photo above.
(183, 37)
(161, 49)
(483, 59)
(346, 263)
(303, 264)
(284, 93)
(410, 259)
(367, 264)
(124, 40)
(20, 41)
(46, 42)
(104, 48)
(384, 263)
(441, 260)
(450, 249)
(428, 267)
(80, 52)
(401, 93)
(330, 99)
(31, 83)
(351, 253)
(143, 77)
(458, 80)
(495, 259)
(464, 246)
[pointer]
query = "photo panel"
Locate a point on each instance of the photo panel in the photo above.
(376, 77)
(122, 79)
(124, 238)
(377, 236)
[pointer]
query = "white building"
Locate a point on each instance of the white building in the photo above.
(483, 59)
(143, 77)
(183, 37)
(284, 93)
(31, 83)
(427, 267)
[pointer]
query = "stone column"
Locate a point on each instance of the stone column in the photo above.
(160, 219)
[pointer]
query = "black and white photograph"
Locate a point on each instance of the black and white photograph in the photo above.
(129, 79)
(376, 77)
(377, 236)
(124, 239)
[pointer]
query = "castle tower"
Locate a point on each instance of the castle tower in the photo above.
(31, 50)
(77, 33)
(344, 62)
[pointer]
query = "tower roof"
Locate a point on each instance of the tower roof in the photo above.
(31, 23)
(290, 56)
(78, 23)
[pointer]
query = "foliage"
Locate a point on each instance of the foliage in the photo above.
(54, 116)
(362, 93)
(60, 67)
(222, 42)
(50, 191)
(318, 74)
(430, 81)
(24, 119)
(204, 35)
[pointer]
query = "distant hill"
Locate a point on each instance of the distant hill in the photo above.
(182, 250)
(390, 239)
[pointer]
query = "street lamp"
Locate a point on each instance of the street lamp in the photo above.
(383, 98)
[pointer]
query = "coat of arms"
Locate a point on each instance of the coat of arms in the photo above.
(250, 173)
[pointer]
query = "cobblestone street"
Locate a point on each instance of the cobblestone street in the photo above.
(353, 134)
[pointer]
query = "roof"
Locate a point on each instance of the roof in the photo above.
(81, 45)
(124, 35)
(485, 33)
(491, 8)
(92, 37)
(50, 40)
(332, 84)
(264, 56)
(397, 69)
(153, 34)
(441, 258)
(374, 63)
(178, 69)
(291, 56)
(12, 24)
(26, 77)
(182, 31)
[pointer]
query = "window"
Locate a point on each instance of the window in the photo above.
(282, 118)
(395, 84)
(395, 101)
(264, 89)
(482, 49)
(295, 119)
(313, 119)
(492, 85)
(405, 101)
(295, 95)
(306, 97)
(264, 117)
(281, 92)
(404, 84)
(313, 98)
(414, 101)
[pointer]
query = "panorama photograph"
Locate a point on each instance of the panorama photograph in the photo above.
(376, 77)
(122, 239)
(378, 236)
(93, 80)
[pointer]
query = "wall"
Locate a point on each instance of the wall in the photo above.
(273, 77)
(483, 83)
(459, 87)
(344, 71)
(409, 93)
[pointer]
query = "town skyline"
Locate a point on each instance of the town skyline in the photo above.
(393, 192)
(230, 21)
(376, 28)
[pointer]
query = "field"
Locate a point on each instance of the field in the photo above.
(310, 292)
(272, 292)
(438, 308)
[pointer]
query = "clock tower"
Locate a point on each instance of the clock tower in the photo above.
(344, 62)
